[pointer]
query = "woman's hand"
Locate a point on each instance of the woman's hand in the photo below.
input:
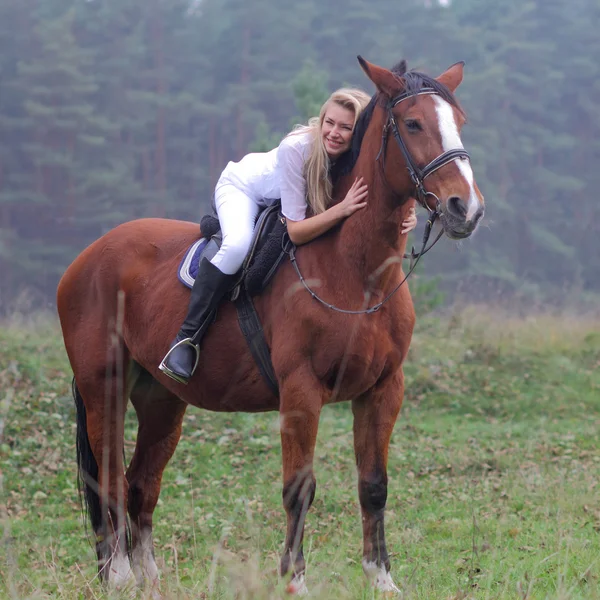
(355, 198)
(410, 222)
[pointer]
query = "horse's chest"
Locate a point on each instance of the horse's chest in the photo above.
(353, 363)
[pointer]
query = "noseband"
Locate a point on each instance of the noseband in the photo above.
(417, 175)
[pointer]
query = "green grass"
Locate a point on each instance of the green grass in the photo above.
(494, 476)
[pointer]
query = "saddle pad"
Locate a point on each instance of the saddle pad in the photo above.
(188, 268)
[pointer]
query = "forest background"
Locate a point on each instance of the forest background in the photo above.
(112, 110)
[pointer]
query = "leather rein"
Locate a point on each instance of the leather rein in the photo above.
(417, 176)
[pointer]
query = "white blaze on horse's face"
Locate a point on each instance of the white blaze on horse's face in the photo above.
(451, 141)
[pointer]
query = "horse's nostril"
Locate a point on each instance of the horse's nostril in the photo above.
(457, 207)
(477, 217)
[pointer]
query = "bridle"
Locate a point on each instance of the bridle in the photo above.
(418, 177)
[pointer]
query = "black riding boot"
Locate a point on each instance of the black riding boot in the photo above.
(210, 286)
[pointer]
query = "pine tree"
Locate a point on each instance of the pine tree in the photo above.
(116, 109)
(55, 129)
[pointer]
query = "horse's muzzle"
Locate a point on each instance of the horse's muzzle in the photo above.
(458, 227)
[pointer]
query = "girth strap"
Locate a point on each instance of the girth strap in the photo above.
(255, 338)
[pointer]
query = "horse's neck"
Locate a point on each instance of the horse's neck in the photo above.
(371, 237)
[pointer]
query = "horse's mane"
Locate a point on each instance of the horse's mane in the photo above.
(414, 81)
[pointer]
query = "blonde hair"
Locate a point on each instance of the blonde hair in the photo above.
(316, 168)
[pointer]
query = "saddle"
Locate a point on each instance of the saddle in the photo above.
(265, 253)
(264, 257)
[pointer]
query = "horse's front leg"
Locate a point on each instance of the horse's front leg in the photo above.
(301, 400)
(375, 414)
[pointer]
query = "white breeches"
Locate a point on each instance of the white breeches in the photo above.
(237, 216)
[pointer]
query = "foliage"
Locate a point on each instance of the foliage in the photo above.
(426, 293)
(116, 109)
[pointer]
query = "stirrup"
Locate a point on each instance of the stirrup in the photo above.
(163, 367)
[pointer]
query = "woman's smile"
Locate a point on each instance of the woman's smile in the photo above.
(337, 128)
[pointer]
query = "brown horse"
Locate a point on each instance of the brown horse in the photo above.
(120, 305)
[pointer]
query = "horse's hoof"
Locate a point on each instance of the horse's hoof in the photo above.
(155, 594)
(297, 586)
(125, 588)
(381, 579)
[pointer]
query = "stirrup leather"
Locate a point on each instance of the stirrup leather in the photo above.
(163, 366)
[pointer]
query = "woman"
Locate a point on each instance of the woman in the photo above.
(298, 172)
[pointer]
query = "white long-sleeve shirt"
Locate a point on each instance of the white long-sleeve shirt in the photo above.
(267, 176)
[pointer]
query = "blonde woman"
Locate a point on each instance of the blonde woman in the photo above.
(298, 173)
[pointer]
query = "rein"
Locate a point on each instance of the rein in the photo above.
(417, 176)
(290, 249)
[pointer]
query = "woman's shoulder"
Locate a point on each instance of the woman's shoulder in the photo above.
(296, 141)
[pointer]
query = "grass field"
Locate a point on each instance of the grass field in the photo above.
(494, 476)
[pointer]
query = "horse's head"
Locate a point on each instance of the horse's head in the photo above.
(423, 153)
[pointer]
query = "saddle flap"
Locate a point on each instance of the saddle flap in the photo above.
(265, 223)
(212, 247)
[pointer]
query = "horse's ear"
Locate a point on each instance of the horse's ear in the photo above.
(453, 76)
(385, 81)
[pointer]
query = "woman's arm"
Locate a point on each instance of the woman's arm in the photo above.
(293, 199)
(304, 231)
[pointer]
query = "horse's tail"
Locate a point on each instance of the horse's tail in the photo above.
(87, 467)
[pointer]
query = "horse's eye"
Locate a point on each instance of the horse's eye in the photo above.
(413, 125)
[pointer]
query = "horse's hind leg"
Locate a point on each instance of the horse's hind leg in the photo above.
(101, 389)
(374, 418)
(160, 415)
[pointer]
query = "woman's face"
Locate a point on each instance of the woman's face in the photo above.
(338, 125)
